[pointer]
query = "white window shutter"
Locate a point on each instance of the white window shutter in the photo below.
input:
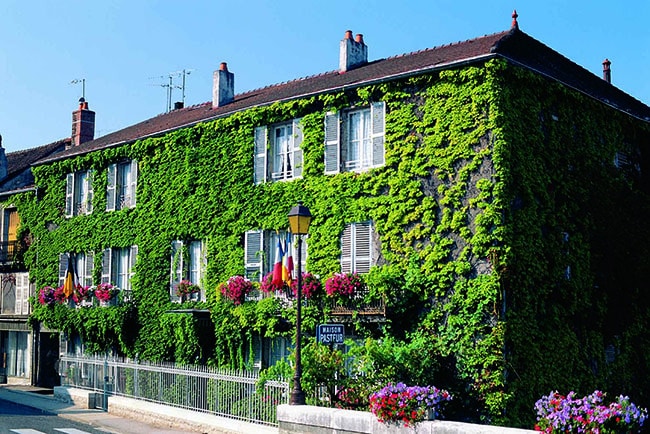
(133, 256)
(134, 182)
(111, 187)
(378, 116)
(362, 247)
(176, 266)
(260, 166)
(346, 249)
(63, 267)
(89, 190)
(253, 248)
(69, 195)
(297, 148)
(107, 259)
(332, 143)
(90, 266)
(22, 280)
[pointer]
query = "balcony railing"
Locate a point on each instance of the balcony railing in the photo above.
(10, 251)
(358, 304)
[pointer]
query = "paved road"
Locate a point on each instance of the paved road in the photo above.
(65, 418)
(21, 419)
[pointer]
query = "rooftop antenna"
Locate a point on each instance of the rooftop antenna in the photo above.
(171, 86)
(83, 85)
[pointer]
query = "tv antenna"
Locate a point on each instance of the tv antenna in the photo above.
(83, 85)
(170, 85)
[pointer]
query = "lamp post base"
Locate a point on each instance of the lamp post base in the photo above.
(297, 397)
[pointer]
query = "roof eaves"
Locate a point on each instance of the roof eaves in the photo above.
(400, 75)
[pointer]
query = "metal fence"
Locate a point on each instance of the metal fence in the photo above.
(232, 394)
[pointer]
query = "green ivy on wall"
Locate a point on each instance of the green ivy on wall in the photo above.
(478, 186)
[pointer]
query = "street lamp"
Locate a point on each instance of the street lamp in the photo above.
(299, 219)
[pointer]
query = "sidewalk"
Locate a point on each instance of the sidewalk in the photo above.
(34, 397)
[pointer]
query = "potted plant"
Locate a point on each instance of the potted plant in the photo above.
(311, 286)
(185, 288)
(236, 289)
(105, 293)
(399, 403)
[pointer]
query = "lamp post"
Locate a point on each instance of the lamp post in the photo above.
(299, 219)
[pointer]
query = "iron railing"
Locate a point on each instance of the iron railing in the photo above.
(10, 251)
(232, 394)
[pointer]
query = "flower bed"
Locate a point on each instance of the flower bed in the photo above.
(568, 414)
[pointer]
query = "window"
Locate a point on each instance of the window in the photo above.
(79, 193)
(84, 264)
(278, 156)
(262, 252)
(357, 248)
(354, 139)
(118, 266)
(15, 346)
(187, 262)
(121, 185)
(10, 246)
(15, 290)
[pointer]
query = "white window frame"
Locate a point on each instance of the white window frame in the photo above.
(23, 291)
(84, 264)
(79, 193)
(260, 247)
(121, 185)
(191, 268)
(278, 161)
(339, 135)
(357, 247)
(118, 266)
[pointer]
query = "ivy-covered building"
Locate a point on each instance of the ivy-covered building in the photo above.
(491, 193)
(17, 337)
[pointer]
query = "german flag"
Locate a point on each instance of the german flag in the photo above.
(71, 281)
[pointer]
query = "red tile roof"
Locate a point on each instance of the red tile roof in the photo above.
(514, 45)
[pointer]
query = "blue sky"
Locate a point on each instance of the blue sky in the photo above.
(126, 49)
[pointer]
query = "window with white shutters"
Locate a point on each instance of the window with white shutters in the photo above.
(79, 193)
(84, 264)
(354, 139)
(118, 266)
(188, 262)
(22, 294)
(261, 251)
(278, 153)
(122, 180)
(356, 248)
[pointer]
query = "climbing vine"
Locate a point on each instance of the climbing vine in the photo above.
(469, 208)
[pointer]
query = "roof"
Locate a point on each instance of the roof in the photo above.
(514, 45)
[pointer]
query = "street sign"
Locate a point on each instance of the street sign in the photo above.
(330, 333)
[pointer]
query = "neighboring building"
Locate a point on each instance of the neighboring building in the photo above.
(18, 360)
(492, 191)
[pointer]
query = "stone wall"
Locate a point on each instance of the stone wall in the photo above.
(319, 420)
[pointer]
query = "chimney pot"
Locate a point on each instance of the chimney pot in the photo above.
(83, 124)
(352, 53)
(223, 86)
(607, 72)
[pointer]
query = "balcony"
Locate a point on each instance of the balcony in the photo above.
(11, 252)
(358, 306)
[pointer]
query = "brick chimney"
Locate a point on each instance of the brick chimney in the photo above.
(607, 72)
(83, 124)
(3, 161)
(353, 52)
(223, 86)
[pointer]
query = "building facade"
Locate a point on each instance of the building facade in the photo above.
(473, 185)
